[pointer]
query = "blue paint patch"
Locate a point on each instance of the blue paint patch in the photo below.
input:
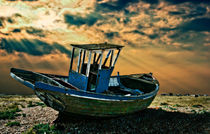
(103, 80)
(45, 86)
(78, 80)
(28, 84)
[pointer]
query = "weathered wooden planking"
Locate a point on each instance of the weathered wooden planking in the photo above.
(91, 107)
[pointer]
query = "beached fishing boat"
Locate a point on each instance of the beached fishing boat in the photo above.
(90, 89)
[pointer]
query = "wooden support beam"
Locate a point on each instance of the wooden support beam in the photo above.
(72, 58)
(118, 53)
(94, 58)
(79, 60)
(98, 58)
(107, 57)
(111, 59)
(88, 64)
(100, 64)
(83, 58)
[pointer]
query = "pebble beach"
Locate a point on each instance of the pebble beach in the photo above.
(167, 114)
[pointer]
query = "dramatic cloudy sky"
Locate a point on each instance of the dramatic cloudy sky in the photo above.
(170, 38)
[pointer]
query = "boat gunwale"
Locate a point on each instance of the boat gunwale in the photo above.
(93, 95)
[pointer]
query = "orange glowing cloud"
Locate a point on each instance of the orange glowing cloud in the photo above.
(168, 38)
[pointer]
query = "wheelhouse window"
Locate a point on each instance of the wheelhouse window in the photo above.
(93, 60)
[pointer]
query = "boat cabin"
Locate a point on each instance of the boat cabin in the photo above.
(93, 71)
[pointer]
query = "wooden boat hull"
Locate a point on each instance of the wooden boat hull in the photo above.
(91, 107)
(69, 101)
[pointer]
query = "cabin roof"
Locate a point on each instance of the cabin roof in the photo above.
(100, 46)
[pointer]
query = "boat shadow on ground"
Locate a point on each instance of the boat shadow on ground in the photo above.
(147, 121)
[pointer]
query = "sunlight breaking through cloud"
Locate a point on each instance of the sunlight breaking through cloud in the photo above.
(167, 37)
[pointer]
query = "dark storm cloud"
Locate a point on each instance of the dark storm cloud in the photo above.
(189, 37)
(92, 18)
(61, 49)
(198, 11)
(77, 20)
(30, 30)
(190, 40)
(17, 15)
(151, 1)
(10, 19)
(151, 36)
(176, 12)
(138, 32)
(197, 25)
(33, 47)
(190, 1)
(1, 24)
(114, 5)
(35, 31)
(122, 4)
(131, 44)
(6, 19)
(194, 12)
(191, 11)
(16, 30)
(111, 35)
